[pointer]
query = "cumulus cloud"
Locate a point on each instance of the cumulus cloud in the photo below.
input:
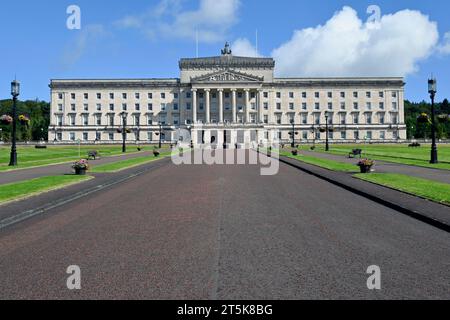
(244, 48)
(347, 46)
(210, 21)
(444, 47)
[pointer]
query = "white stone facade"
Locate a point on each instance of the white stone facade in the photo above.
(222, 95)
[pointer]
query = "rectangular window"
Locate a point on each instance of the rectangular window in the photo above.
(175, 106)
(98, 136)
(317, 95)
(85, 136)
(99, 96)
(266, 106)
(124, 95)
(369, 105)
(381, 117)
(188, 95)
(150, 136)
(304, 118)
(60, 96)
(150, 107)
(382, 135)
(355, 94)
(394, 105)
(111, 136)
(111, 107)
(99, 107)
(369, 135)
(278, 95)
(266, 95)
(60, 107)
(382, 105)
(369, 118)
(342, 94)
(124, 107)
(304, 95)
(317, 106)
(305, 135)
(304, 106)
(356, 135)
(266, 118)
(317, 118)
(86, 96)
(355, 105)
(137, 106)
(111, 120)
(368, 94)
(381, 94)
(278, 106)
(99, 120)
(291, 95)
(278, 117)
(330, 106)
(86, 107)
(72, 120)
(72, 95)
(111, 95)
(163, 107)
(188, 106)
(72, 136)
(150, 96)
(343, 118)
(394, 94)
(342, 105)
(291, 106)
(137, 96)
(343, 135)
(60, 120)
(163, 95)
(330, 95)
(175, 95)
(355, 118)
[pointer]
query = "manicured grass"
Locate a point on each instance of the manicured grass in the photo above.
(397, 153)
(24, 189)
(28, 156)
(428, 189)
(126, 164)
(323, 163)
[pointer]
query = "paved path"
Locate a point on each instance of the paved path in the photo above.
(60, 169)
(225, 232)
(389, 167)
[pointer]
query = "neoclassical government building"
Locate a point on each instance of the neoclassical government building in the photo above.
(218, 98)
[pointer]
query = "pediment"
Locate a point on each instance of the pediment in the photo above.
(227, 76)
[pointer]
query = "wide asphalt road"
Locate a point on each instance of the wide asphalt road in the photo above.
(224, 232)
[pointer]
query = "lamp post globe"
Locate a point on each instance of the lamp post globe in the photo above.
(432, 89)
(15, 92)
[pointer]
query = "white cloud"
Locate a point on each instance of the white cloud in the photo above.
(85, 38)
(212, 20)
(346, 46)
(444, 47)
(244, 48)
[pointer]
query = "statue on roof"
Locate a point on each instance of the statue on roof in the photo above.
(226, 50)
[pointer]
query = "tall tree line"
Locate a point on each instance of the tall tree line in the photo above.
(37, 111)
(417, 130)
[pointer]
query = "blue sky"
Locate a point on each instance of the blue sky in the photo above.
(145, 39)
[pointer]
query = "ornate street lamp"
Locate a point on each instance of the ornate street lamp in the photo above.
(432, 89)
(15, 92)
(293, 134)
(124, 131)
(327, 143)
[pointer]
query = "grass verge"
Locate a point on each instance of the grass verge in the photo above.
(323, 163)
(126, 164)
(428, 189)
(24, 189)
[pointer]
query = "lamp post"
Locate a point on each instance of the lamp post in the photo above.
(15, 91)
(293, 133)
(124, 132)
(160, 134)
(54, 129)
(432, 91)
(327, 144)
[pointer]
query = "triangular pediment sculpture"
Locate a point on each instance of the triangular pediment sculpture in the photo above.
(227, 76)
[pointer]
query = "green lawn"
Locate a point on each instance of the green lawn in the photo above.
(28, 156)
(24, 189)
(400, 153)
(126, 164)
(428, 189)
(323, 163)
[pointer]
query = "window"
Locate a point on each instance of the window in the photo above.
(266, 118)
(86, 107)
(394, 94)
(60, 107)
(330, 106)
(355, 105)
(124, 107)
(342, 105)
(253, 118)
(266, 106)
(150, 136)
(304, 95)
(278, 106)
(291, 95)
(394, 119)
(60, 96)
(342, 94)
(356, 135)
(111, 136)
(304, 118)
(111, 96)
(73, 107)
(201, 106)
(99, 107)
(59, 136)
(111, 120)
(317, 135)
(150, 107)
(111, 107)
(343, 135)
(85, 136)
(394, 105)
(214, 95)
(239, 95)
(86, 96)
(355, 118)
(317, 118)
(381, 94)
(330, 95)
(137, 106)
(124, 95)
(227, 95)
(72, 96)
(137, 96)
(305, 135)
(369, 135)
(291, 106)
(99, 120)
(355, 94)
(163, 107)
(317, 106)
(395, 135)
(72, 119)
(72, 136)
(252, 95)
(317, 95)
(253, 106)
(99, 95)
(98, 136)
(162, 119)
(175, 95)
(381, 118)
(278, 95)
(278, 118)
(368, 94)
(343, 118)
(60, 120)
(382, 135)
(150, 96)
(382, 105)
(304, 106)
(266, 95)
(188, 106)
(85, 120)
(163, 95)
(175, 106)
(369, 105)
(137, 120)
(368, 118)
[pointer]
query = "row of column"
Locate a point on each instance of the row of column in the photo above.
(221, 108)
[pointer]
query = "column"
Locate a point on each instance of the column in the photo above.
(220, 105)
(208, 106)
(259, 106)
(233, 93)
(247, 106)
(194, 106)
